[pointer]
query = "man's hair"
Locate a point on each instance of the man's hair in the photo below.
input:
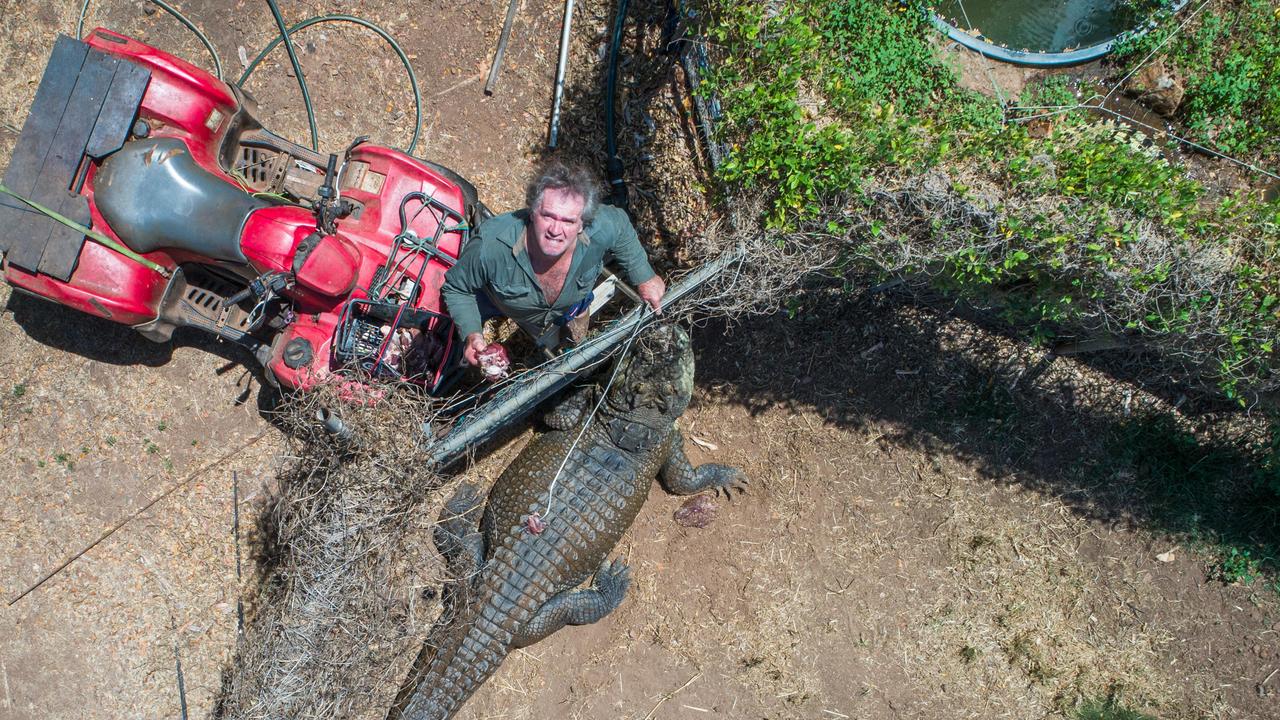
(563, 176)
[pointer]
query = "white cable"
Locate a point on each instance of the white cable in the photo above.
(551, 490)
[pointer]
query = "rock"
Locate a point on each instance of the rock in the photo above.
(1158, 87)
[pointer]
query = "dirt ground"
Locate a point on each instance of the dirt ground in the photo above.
(903, 552)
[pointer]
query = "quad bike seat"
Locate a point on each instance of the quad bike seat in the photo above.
(154, 196)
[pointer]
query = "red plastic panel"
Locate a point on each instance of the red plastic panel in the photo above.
(331, 267)
(105, 283)
(192, 103)
(318, 330)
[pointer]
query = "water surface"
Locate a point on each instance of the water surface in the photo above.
(1041, 25)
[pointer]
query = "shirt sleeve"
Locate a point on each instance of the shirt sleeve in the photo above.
(627, 249)
(461, 283)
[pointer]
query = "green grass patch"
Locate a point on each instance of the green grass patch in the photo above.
(1067, 226)
(1108, 709)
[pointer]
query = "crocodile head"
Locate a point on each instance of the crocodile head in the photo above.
(657, 375)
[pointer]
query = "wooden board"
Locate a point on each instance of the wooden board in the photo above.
(86, 104)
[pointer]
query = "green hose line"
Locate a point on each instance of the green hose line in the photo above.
(404, 60)
(217, 61)
(297, 69)
(84, 9)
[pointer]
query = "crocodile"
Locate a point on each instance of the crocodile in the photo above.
(552, 519)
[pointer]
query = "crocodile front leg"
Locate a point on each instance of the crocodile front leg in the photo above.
(578, 607)
(565, 412)
(456, 536)
(679, 477)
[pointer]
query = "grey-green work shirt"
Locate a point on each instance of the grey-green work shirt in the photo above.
(496, 262)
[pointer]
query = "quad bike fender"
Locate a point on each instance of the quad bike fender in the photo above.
(299, 358)
(105, 283)
(379, 177)
(181, 98)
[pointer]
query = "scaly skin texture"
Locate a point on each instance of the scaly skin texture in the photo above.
(543, 535)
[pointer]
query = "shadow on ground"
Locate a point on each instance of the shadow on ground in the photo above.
(944, 386)
(103, 341)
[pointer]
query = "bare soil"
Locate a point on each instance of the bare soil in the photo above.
(934, 528)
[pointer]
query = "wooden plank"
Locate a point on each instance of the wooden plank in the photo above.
(37, 134)
(64, 156)
(119, 110)
(62, 250)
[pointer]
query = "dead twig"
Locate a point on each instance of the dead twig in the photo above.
(670, 695)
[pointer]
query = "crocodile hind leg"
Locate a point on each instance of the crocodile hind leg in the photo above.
(680, 477)
(578, 607)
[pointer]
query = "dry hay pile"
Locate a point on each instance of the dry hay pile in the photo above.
(342, 580)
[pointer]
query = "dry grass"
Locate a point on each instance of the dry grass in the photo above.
(339, 595)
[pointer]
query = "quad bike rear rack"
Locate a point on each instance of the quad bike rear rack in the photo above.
(85, 106)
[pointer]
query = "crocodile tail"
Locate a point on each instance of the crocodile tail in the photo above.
(473, 647)
(459, 666)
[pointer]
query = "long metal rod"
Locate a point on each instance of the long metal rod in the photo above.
(502, 47)
(553, 135)
(521, 398)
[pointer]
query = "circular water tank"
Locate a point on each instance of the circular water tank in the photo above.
(1042, 33)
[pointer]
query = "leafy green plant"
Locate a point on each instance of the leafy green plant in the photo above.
(1229, 55)
(1069, 228)
(1238, 566)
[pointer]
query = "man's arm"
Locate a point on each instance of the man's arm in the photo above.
(461, 283)
(630, 254)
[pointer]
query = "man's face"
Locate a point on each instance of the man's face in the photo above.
(556, 222)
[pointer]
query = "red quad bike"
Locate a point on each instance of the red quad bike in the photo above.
(142, 190)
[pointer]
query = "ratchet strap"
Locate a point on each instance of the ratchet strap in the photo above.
(90, 233)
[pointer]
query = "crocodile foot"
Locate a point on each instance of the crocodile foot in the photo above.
(564, 412)
(455, 535)
(612, 580)
(724, 479)
(579, 607)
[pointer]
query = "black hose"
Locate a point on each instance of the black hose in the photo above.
(404, 60)
(297, 69)
(614, 168)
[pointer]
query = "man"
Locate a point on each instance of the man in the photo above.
(537, 266)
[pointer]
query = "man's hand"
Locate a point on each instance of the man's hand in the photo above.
(475, 343)
(651, 291)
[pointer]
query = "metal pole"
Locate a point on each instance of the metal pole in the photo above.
(521, 398)
(502, 47)
(553, 135)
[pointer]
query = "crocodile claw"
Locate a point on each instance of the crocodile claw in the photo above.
(728, 479)
(612, 580)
